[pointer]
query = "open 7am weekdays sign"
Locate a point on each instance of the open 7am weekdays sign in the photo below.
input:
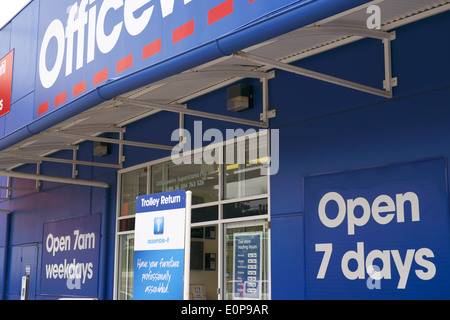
(70, 257)
(160, 254)
(378, 233)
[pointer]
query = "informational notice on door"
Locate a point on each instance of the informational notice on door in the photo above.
(247, 265)
(159, 249)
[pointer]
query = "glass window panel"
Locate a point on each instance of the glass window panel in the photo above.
(159, 177)
(134, 184)
(205, 214)
(245, 161)
(202, 179)
(126, 224)
(125, 267)
(245, 208)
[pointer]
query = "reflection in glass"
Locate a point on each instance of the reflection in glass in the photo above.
(134, 184)
(245, 208)
(125, 267)
(205, 214)
(201, 179)
(244, 162)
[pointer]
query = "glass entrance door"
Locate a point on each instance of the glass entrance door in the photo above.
(204, 259)
(246, 261)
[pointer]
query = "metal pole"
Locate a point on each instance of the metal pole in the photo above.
(311, 74)
(187, 246)
(40, 177)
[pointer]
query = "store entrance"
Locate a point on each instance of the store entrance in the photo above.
(204, 260)
(230, 258)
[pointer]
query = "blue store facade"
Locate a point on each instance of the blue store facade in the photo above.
(330, 162)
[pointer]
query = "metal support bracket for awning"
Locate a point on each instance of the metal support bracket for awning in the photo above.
(386, 37)
(180, 109)
(31, 176)
(10, 188)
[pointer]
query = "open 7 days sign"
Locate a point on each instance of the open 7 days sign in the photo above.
(378, 233)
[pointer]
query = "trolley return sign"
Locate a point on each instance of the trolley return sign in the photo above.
(378, 233)
(159, 248)
(70, 257)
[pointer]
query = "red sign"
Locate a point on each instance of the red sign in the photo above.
(6, 71)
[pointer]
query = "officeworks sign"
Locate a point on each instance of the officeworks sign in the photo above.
(85, 30)
(378, 233)
(84, 43)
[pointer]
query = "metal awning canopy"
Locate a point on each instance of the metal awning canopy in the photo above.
(172, 94)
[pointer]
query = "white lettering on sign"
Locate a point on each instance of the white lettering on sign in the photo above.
(425, 270)
(383, 210)
(57, 244)
(3, 68)
(54, 244)
(84, 241)
(67, 270)
(154, 202)
(2, 72)
(70, 271)
(86, 24)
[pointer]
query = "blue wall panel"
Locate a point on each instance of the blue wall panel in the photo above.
(24, 43)
(21, 111)
(288, 265)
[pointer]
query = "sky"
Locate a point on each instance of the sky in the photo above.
(9, 8)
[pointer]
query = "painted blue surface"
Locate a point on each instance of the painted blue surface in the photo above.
(288, 270)
(323, 128)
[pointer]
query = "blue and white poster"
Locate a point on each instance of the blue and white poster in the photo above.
(378, 233)
(70, 257)
(247, 265)
(159, 249)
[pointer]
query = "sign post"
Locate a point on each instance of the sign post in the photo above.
(162, 250)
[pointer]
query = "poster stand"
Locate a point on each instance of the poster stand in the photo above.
(162, 246)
